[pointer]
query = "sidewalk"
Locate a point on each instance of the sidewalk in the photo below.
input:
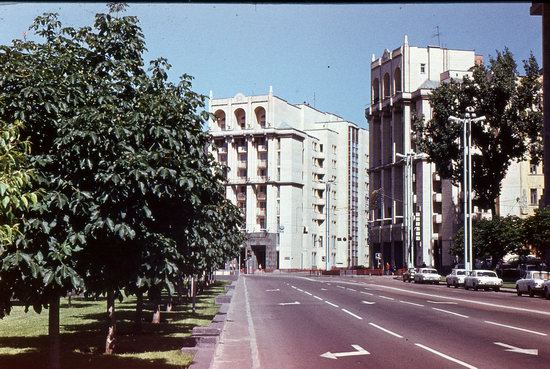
(234, 346)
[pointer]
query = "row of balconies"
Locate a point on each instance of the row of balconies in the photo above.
(243, 149)
(241, 196)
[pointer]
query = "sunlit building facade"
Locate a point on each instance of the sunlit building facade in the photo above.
(299, 176)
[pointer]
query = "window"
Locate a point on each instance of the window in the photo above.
(534, 196)
(533, 168)
(321, 147)
(422, 68)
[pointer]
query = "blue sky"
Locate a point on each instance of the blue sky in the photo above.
(315, 53)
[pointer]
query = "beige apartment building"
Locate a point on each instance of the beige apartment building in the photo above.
(300, 177)
(401, 81)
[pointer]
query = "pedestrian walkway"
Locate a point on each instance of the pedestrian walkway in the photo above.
(234, 349)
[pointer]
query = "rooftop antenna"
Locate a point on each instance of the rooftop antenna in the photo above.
(313, 98)
(437, 34)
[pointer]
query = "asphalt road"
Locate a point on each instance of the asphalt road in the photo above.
(378, 322)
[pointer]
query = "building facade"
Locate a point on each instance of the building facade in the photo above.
(401, 81)
(300, 177)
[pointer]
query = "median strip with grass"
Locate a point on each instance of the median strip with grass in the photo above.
(24, 336)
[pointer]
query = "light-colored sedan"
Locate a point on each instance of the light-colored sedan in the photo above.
(532, 283)
(456, 278)
(485, 279)
(426, 275)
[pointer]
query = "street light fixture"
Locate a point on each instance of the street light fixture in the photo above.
(408, 200)
(327, 222)
(469, 117)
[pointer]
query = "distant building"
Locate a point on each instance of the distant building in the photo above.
(401, 81)
(300, 177)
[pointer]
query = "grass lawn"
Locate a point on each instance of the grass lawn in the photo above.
(24, 336)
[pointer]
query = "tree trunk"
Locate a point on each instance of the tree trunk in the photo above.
(139, 312)
(193, 291)
(111, 321)
(156, 306)
(53, 333)
(169, 303)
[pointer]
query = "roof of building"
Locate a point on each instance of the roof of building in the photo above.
(429, 85)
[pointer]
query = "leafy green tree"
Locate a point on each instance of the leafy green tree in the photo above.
(537, 232)
(133, 201)
(15, 180)
(494, 238)
(512, 106)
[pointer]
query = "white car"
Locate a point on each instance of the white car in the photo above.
(532, 283)
(426, 275)
(485, 279)
(456, 278)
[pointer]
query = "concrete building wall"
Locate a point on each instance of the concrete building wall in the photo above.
(281, 159)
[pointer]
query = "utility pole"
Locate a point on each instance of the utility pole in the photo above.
(469, 117)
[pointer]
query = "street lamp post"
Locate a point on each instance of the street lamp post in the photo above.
(469, 117)
(327, 223)
(408, 200)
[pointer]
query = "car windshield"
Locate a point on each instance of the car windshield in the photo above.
(430, 271)
(541, 275)
(487, 274)
(461, 272)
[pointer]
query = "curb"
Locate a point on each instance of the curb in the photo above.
(205, 338)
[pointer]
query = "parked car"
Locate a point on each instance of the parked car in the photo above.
(408, 276)
(532, 283)
(485, 279)
(546, 289)
(456, 278)
(426, 275)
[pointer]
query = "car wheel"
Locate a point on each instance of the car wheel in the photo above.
(436, 282)
(448, 285)
(466, 286)
(531, 292)
(475, 287)
(547, 293)
(518, 291)
(456, 284)
(496, 289)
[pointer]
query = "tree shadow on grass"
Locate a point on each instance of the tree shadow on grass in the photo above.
(73, 360)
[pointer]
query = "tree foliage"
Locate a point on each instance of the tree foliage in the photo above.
(493, 239)
(512, 106)
(537, 232)
(132, 198)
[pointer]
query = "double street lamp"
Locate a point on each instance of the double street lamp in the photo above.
(408, 200)
(469, 117)
(328, 184)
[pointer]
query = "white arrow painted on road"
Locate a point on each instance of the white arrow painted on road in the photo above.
(368, 302)
(272, 290)
(323, 289)
(336, 355)
(289, 303)
(511, 348)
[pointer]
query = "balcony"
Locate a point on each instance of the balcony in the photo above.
(261, 196)
(436, 177)
(319, 170)
(222, 150)
(262, 164)
(260, 212)
(437, 197)
(262, 148)
(437, 218)
(241, 196)
(318, 216)
(242, 164)
(318, 201)
(242, 149)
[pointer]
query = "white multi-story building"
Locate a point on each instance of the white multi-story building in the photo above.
(401, 81)
(283, 159)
